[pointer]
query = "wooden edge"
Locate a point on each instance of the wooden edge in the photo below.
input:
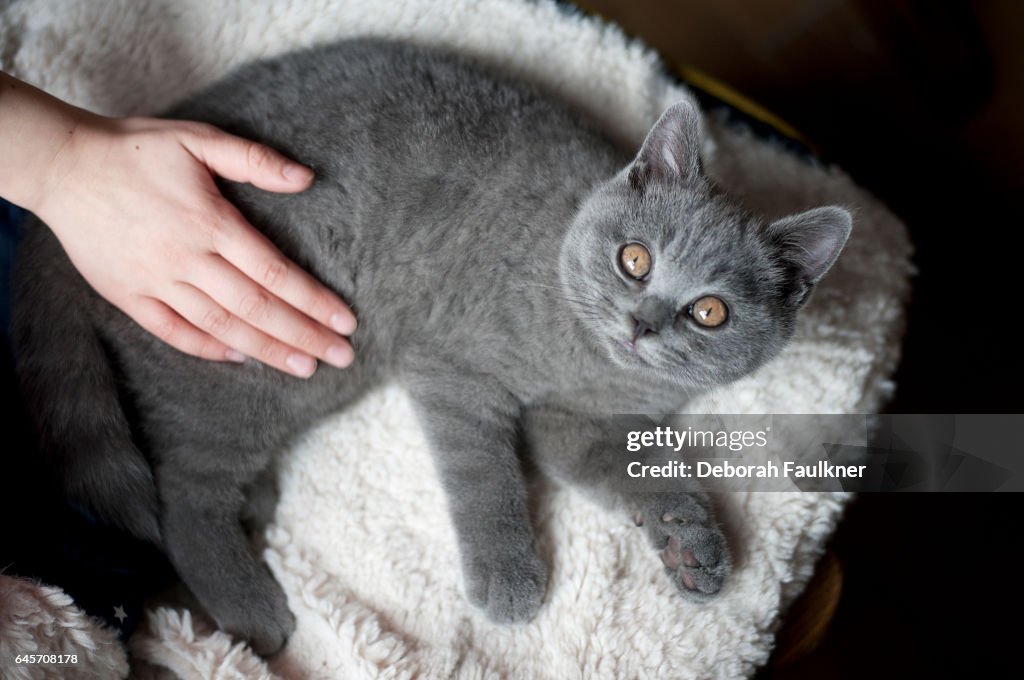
(805, 624)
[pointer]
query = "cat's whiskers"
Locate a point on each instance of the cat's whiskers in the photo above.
(577, 296)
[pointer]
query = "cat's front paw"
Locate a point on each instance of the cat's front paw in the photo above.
(509, 588)
(691, 546)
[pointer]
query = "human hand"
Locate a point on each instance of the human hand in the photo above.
(134, 203)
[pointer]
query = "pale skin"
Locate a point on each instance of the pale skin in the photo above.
(134, 204)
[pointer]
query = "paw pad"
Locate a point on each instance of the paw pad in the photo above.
(690, 545)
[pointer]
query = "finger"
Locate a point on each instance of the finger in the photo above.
(241, 160)
(203, 312)
(169, 326)
(256, 257)
(253, 304)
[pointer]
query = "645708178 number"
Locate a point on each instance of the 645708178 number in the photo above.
(45, 659)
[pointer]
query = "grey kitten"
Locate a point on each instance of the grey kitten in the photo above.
(519, 274)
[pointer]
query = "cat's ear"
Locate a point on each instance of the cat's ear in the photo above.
(671, 152)
(810, 242)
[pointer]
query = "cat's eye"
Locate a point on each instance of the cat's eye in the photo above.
(635, 260)
(709, 311)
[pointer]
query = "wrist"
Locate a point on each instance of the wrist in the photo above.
(37, 142)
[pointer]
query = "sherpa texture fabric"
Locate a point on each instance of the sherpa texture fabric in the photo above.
(362, 544)
(38, 619)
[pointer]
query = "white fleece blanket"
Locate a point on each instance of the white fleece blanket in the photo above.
(362, 544)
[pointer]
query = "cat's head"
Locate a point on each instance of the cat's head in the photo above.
(668, 274)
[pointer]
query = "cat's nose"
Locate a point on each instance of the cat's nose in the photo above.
(643, 326)
(651, 316)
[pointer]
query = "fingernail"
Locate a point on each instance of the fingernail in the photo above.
(293, 172)
(339, 355)
(235, 356)
(343, 323)
(301, 365)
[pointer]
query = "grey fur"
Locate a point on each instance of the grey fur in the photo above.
(476, 225)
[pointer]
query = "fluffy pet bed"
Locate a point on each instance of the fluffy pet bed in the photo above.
(362, 543)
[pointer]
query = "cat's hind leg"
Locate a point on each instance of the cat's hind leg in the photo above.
(261, 497)
(206, 543)
(679, 518)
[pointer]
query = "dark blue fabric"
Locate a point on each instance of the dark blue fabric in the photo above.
(11, 224)
(107, 572)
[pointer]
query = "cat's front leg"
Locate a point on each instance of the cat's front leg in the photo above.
(472, 426)
(678, 518)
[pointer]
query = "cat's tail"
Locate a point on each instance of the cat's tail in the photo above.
(69, 390)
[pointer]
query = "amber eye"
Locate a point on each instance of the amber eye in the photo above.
(709, 311)
(636, 260)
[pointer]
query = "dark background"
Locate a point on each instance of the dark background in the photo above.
(922, 102)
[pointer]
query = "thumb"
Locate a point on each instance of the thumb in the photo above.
(241, 160)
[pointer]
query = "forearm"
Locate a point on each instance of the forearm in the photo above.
(34, 128)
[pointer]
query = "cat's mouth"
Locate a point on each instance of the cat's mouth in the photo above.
(628, 352)
(638, 351)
